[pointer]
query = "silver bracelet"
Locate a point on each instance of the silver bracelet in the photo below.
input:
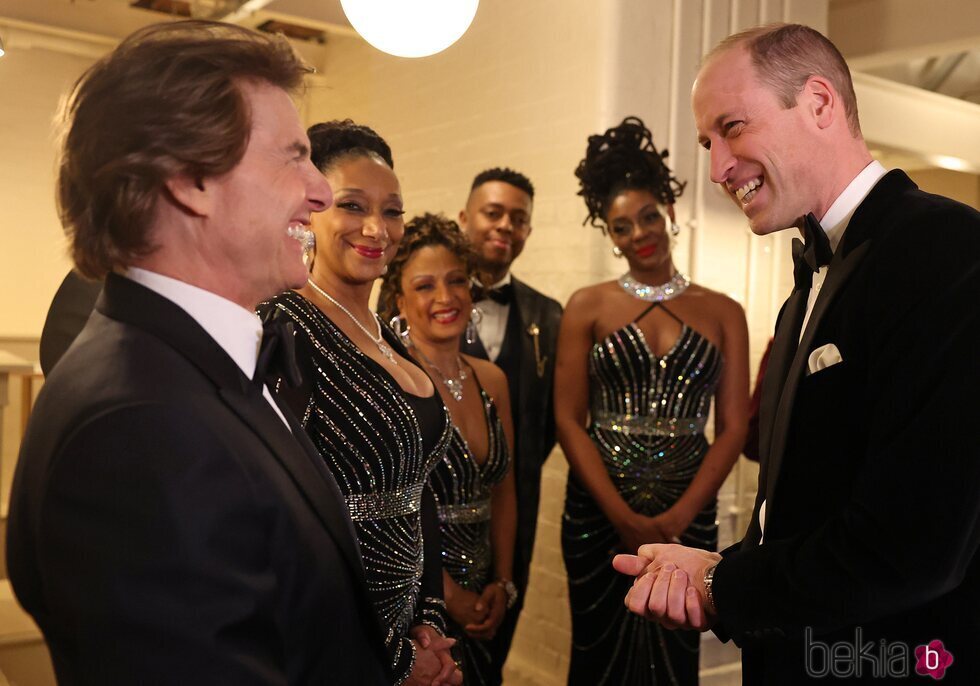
(510, 589)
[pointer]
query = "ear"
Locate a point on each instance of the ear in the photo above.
(193, 196)
(670, 212)
(821, 101)
(400, 303)
(462, 219)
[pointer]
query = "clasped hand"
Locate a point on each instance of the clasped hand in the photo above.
(669, 585)
(638, 529)
(479, 615)
(434, 664)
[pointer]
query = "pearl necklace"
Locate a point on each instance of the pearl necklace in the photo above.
(676, 285)
(454, 384)
(378, 340)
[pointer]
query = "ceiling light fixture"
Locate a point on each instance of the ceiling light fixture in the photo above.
(410, 28)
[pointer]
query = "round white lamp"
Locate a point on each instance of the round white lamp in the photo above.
(410, 28)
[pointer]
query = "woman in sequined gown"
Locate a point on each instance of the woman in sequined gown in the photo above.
(639, 361)
(370, 409)
(428, 286)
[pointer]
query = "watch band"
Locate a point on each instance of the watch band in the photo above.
(709, 580)
(510, 589)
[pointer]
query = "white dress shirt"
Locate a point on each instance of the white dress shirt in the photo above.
(492, 327)
(238, 331)
(834, 223)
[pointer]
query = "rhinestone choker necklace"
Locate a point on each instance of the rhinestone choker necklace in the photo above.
(676, 285)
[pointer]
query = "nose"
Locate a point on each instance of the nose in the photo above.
(722, 161)
(442, 293)
(318, 192)
(376, 226)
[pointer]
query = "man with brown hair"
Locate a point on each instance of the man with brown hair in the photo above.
(169, 522)
(860, 561)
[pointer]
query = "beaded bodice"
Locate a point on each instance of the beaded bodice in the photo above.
(463, 488)
(369, 433)
(638, 400)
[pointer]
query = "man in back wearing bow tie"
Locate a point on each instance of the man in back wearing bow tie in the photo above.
(518, 330)
(169, 522)
(860, 561)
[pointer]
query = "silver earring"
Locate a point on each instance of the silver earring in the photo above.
(674, 228)
(476, 316)
(384, 269)
(616, 251)
(396, 325)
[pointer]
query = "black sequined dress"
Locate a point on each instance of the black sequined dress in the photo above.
(381, 444)
(647, 420)
(462, 488)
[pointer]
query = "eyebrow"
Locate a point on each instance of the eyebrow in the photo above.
(650, 205)
(703, 141)
(299, 148)
(501, 206)
(353, 189)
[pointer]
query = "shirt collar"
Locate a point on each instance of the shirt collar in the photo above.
(503, 282)
(835, 221)
(238, 331)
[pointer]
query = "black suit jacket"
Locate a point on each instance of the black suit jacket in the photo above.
(166, 528)
(70, 309)
(871, 467)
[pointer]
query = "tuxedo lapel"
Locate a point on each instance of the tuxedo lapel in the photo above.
(301, 463)
(530, 331)
(776, 411)
(127, 301)
(840, 270)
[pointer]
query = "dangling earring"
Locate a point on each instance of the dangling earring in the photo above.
(674, 228)
(616, 251)
(384, 269)
(476, 316)
(396, 325)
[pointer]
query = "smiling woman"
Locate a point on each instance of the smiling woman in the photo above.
(637, 376)
(368, 407)
(427, 287)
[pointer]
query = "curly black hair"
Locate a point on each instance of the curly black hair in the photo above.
(420, 232)
(332, 140)
(507, 175)
(623, 158)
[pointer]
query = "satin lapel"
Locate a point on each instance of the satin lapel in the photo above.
(127, 301)
(532, 362)
(840, 270)
(320, 490)
(783, 347)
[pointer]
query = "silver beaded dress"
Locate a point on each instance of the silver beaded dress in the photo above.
(647, 417)
(463, 488)
(381, 444)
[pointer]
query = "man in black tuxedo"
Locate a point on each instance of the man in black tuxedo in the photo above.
(518, 331)
(861, 558)
(169, 522)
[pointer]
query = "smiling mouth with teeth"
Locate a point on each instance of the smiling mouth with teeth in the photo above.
(745, 194)
(445, 316)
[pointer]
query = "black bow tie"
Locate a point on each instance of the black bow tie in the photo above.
(277, 354)
(816, 251)
(503, 295)
(809, 257)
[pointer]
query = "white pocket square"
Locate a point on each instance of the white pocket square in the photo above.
(823, 357)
